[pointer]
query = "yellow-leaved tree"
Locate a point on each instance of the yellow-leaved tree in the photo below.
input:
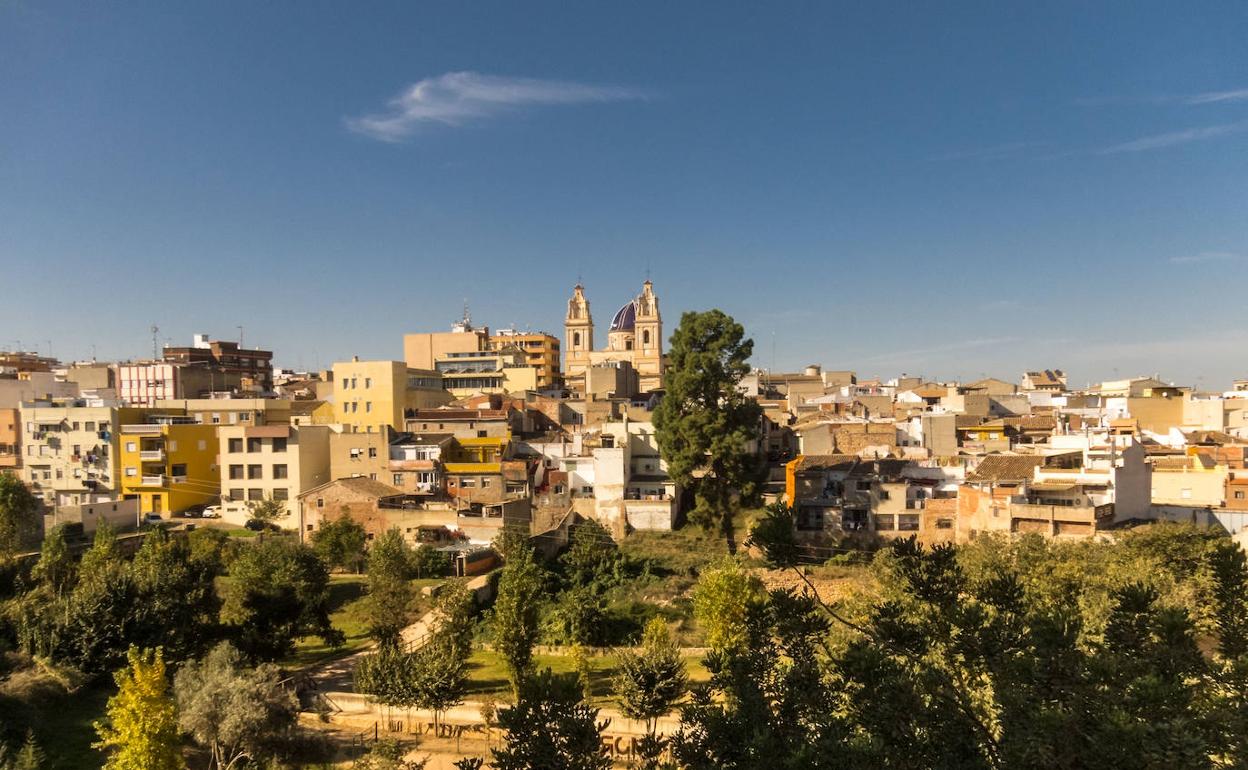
(141, 729)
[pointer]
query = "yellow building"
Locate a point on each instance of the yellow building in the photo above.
(370, 395)
(169, 466)
(541, 352)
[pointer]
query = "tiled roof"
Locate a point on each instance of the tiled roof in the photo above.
(1001, 467)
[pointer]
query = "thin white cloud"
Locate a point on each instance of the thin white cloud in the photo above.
(1170, 139)
(1217, 97)
(1207, 256)
(455, 98)
(1206, 97)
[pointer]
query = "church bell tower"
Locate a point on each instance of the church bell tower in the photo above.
(578, 333)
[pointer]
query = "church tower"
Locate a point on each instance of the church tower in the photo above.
(648, 339)
(578, 333)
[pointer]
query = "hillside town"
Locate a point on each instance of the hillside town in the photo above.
(475, 429)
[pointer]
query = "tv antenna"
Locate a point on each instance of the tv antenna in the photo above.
(155, 342)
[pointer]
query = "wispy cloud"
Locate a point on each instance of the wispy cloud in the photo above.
(1207, 256)
(1172, 138)
(1205, 97)
(1216, 97)
(455, 98)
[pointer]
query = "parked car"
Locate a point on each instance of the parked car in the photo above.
(153, 518)
(194, 512)
(211, 512)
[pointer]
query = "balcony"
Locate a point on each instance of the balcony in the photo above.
(152, 455)
(143, 430)
(151, 481)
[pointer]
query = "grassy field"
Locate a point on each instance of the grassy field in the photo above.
(488, 674)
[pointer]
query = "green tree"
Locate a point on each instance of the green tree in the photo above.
(19, 515)
(266, 512)
(705, 425)
(550, 726)
(29, 757)
(141, 728)
(515, 615)
(239, 714)
(389, 588)
(592, 556)
(455, 608)
(576, 616)
(439, 676)
(177, 605)
(387, 754)
(278, 592)
(340, 542)
(55, 566)
(429, 562)
(720, 603)
(651, 681)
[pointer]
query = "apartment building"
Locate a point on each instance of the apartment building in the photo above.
(271, 462)
(10, 441)
(169, 463)
(421, 350)
(372, 395)
(146, 382)
(541, 351)
(251, 366)
(489, 371)
(69, 449)
(360, 455)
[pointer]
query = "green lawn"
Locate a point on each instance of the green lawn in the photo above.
(488, 674)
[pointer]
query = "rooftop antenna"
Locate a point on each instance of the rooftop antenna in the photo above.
(240, 336)
(155, 342)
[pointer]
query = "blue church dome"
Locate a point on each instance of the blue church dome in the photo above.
(625, 318)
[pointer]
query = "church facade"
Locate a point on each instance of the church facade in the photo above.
(635, 336)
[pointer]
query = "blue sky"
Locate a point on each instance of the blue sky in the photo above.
(939, 188)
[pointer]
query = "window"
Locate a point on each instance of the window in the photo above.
(90, 426)
(467, 483)
(368, 382)
(76, 425)
(173, 446)
(355, 453)
(236, 495)
(576, 339)
(320, 502)
(279, 445)
(236, 445)
(236, 471)
(645, 337)
(368, 406)
(587, 490)
(216, 418)
(130, 446)
(254, 494)
(279, 472)
(372, 451)
(398, 479)
(132, 472)
(255, 471)
(372, 476)
(1185, 493)
(254, 445)
(281, 493)
(1239, 494)
(482, 434)
(485, 483)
